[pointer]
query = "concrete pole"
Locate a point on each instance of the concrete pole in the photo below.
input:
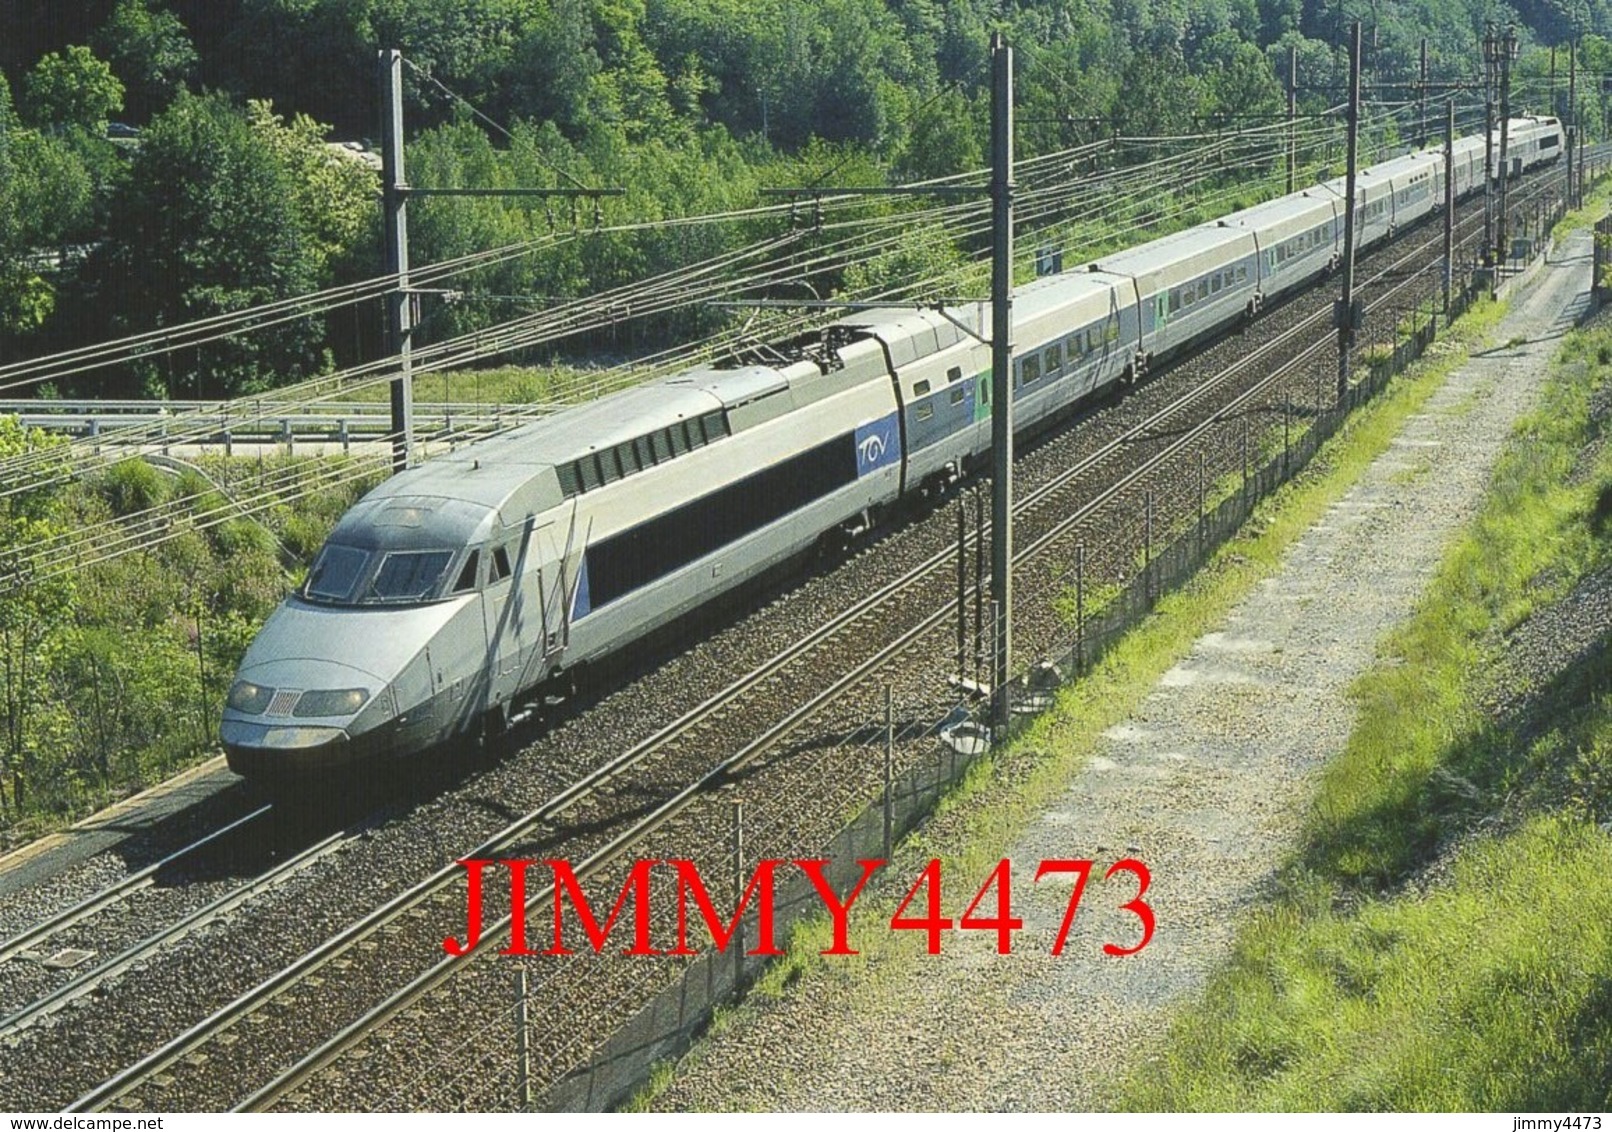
(1449, 202)
(1502, 248)
(1488, 142)
(1345, 317)
(394, 192)
(1292, 113)
(1421, 100)
(1572, 120)
(1002, 370)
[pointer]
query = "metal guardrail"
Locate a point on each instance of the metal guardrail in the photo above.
(324, 422)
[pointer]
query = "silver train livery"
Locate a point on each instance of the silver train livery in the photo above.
(457, 591)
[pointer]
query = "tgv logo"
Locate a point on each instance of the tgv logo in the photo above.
(872, 448)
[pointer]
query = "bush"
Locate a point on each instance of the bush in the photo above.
(132, 486)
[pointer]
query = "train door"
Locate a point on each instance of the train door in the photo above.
(501, 613)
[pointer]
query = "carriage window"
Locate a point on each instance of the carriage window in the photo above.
(920, 389)
(1052, 358)
(1242, 273)
(467, 573)
(955, 373)
(716, 425)
(627, 458)
(696, 438)
(1094, 339)
(1175, 301)
(678, 440)
(662, 444)
(609, 470)
(925, 411)
(1203, 288)
(645, 451)
(1214, 283)
(958, 394)
(1188, 297)
(1030, 370)
(498, 570)
(335, 572)
(408, 575)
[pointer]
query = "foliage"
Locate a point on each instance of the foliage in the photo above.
(223, 210)
(116, 672)
(331, 197)
(150, 53)
(72, 88)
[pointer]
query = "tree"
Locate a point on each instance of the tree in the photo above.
(207, 223)
(1157, 95)
(333, 195)
(150, 52)
(72, 88)
(31, 615)
(1243, 85)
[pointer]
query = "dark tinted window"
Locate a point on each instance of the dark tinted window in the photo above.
(499, 569)
(335, 572)
(467, 573)
(589, 470)
(408, 575)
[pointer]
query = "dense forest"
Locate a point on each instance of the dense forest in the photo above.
(164, 161)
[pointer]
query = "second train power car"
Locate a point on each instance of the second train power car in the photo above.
(455, 591)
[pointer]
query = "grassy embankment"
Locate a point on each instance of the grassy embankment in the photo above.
(1443, 935)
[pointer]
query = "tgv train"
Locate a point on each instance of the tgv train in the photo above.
(459, 590)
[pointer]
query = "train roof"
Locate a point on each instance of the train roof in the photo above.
(1295, 206)
(1052, 292)
(1177, 246)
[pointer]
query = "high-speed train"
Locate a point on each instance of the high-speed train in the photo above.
(457, 591)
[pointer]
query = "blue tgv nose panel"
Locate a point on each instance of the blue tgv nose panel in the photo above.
(878, 445)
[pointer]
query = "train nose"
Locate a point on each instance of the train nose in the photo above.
(286, 716)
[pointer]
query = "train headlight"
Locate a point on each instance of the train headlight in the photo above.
(253, 699)
(320, 703)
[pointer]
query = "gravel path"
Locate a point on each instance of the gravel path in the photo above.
(1205, 783)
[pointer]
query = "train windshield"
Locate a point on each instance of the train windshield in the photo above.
(336, 572)
(408, 575)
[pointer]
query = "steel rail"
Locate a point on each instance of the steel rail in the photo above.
(32, 937)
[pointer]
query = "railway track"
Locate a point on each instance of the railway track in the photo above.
(69, 955)
(639, 774)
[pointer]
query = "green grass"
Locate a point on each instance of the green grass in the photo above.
(1442, 937)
